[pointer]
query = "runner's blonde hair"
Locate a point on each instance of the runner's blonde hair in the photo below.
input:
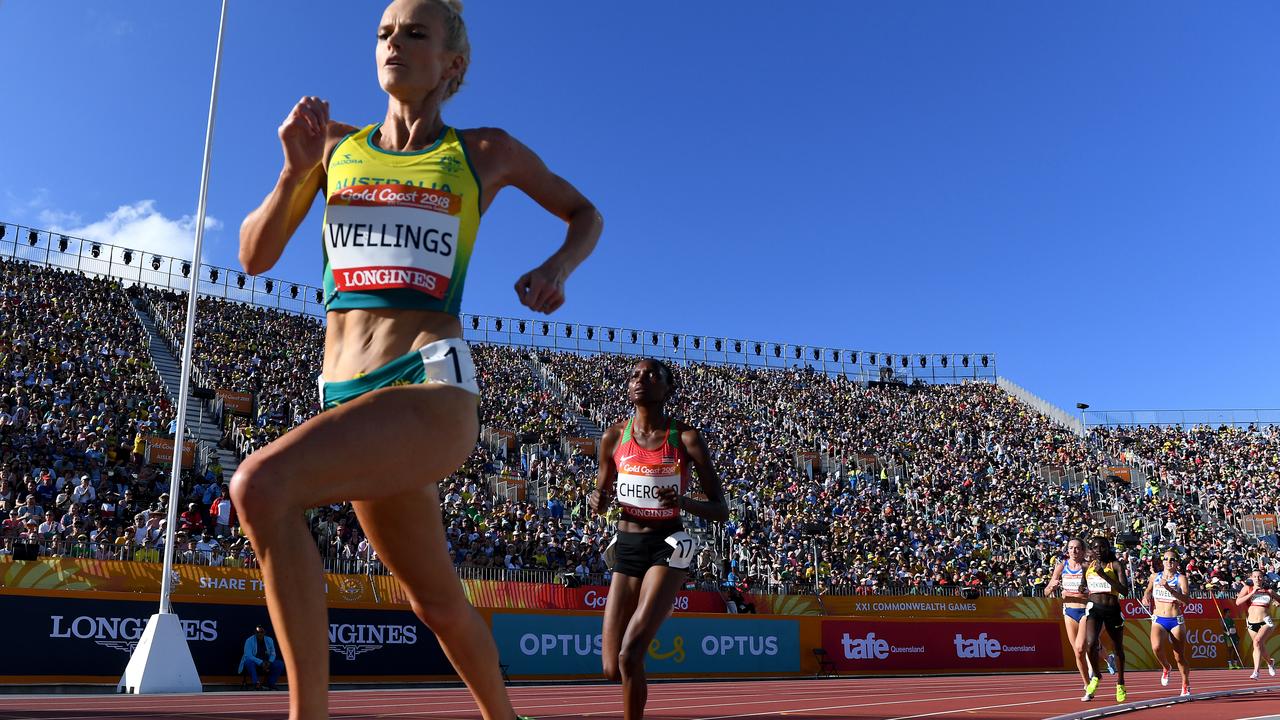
(455, 39)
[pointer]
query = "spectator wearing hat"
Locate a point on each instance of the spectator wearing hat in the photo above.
(260, 657)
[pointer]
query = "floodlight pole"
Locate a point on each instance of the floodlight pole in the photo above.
(162, 662)
(175, 476)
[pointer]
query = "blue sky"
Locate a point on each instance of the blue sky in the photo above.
(1089, 190)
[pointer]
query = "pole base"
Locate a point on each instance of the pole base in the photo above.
(162, 661)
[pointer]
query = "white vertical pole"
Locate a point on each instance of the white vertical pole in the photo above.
(166, 583)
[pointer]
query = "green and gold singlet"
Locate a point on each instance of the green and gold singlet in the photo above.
(399, 227)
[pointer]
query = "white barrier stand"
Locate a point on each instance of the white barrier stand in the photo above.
(162, 662)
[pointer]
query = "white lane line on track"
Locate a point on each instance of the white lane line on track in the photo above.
(441, 697)
(778, 711)
(374, 699)
(848, 706)
(341, 697)
(610, 699)
(660, 704)
(1019, 704)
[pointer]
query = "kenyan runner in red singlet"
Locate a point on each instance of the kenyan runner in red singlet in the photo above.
(645, 465)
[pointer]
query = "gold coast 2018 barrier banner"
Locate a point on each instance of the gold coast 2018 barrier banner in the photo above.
(861, 634)
(234, 584)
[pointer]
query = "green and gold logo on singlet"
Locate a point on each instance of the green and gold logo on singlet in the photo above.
(450, 164)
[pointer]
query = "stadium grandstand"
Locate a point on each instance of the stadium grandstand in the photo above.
(848, 471)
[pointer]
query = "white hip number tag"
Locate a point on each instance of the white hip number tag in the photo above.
(685, 548)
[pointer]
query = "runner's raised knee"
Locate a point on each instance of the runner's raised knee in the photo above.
(257, 493)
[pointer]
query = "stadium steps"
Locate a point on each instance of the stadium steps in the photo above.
(586, 427)
(199, 423)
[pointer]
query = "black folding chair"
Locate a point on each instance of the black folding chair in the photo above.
(825, 666)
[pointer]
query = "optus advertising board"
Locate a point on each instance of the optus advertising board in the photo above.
(551, 644)
(862, 646)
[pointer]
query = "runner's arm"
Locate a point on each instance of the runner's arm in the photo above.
(503, 161)
(1054, 581)
(307, 137)
(714, 507)
(1245, 594)
(1182, 591)
(599, 500)
(1121, 583)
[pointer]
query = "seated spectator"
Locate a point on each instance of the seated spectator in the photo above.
(84, 493)
(29, 509)
(260, 658)
(192, 520)
(50, 529)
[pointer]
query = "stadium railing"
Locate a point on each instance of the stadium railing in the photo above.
(1240, 417)
(56, 249)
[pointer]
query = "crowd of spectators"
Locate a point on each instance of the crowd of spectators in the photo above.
(833, 484)
(890, 487)
(79, 393)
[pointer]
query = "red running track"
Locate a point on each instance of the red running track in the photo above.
(1008, 697)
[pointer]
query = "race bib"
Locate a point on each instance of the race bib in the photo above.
(1072, 583)
(684, 546)
(380, 237)
(640, 494)
(1096, 584)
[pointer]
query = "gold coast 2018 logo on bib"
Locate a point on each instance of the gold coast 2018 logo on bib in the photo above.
(386, 236)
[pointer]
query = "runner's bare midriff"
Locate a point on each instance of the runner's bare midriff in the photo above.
(359, 341)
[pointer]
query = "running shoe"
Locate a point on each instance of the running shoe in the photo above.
(1091, 688)
(1120, 693)
(1164, 677)
(1254, 675)
(1271, 667)
(1186, 691)
(1111, 664)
